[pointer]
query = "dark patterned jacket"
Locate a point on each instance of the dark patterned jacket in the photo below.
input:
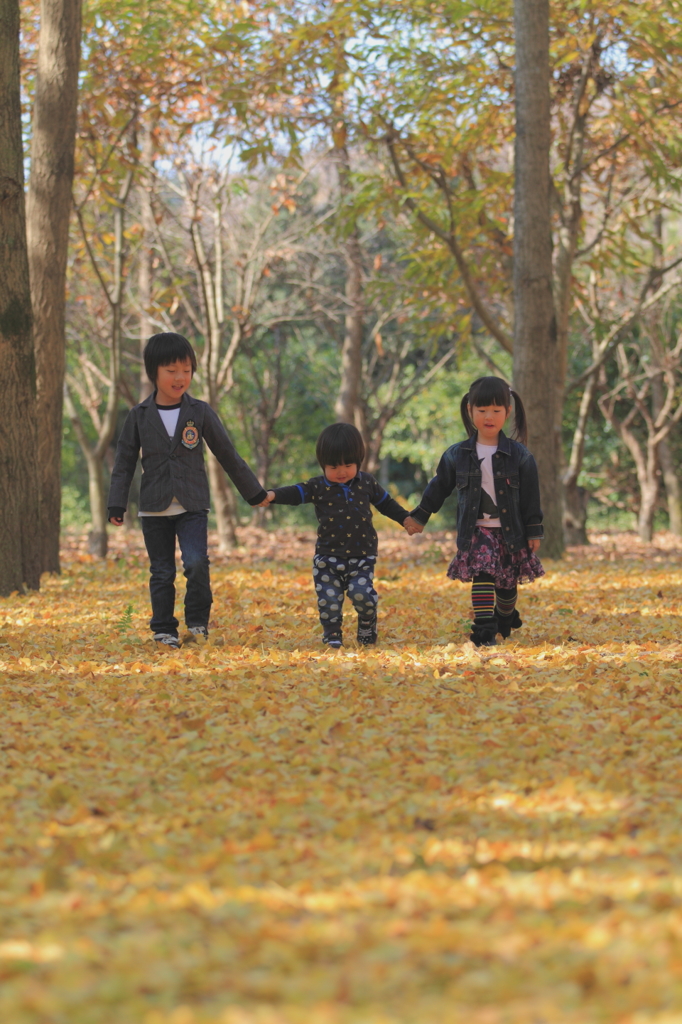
(174, 467)
(343, 512)
(516, 487)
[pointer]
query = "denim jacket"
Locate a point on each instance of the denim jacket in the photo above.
(516, 486)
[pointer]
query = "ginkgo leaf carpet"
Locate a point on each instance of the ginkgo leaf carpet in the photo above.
(255, 830)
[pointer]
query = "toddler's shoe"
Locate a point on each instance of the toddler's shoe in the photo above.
(333, 640)
(483, 632)
(505, 623)
(367, 632)
(167, 640)
(197, 631)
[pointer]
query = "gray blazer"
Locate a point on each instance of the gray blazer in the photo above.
(174, 467)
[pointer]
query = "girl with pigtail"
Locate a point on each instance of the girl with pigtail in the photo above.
(499, 519)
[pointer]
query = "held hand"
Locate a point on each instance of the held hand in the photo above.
(412, 526)
(115, 521)
(534, 543)
(267, 500)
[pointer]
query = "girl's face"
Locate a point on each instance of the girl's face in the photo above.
(341, 474)
(172, 381)
(488, 420)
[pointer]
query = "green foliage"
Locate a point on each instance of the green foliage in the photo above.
(124, 624)
(418, 99)
(75, 510)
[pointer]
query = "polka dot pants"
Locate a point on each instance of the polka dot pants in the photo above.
(334, 576)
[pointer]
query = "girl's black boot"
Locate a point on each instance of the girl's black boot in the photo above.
(483, 631)
(505, 623)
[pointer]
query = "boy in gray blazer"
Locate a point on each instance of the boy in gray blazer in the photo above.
(169, 428)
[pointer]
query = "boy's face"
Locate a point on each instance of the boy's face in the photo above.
(172, 381)
(341, 474)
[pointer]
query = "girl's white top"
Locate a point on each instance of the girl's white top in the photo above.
(486, 452)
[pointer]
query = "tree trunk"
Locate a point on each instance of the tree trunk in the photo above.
(671, 480)
(95, 454)
(575, 497)
(211, 278)
(351, 353)
(98, 542)
(645, 458)
(648, 491)
(575, 514)
(48, 213)
(374, 439)
(19, 495)
(535, 338)
(145, 269)
(262, 459)
(348, 398)
(384, 476)
(224, 505)
(673, 490)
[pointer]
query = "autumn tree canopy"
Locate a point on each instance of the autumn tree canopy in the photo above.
(335, 182)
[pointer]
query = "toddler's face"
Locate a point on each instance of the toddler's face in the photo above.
(341, 474)
(173, 380)
(488, 420)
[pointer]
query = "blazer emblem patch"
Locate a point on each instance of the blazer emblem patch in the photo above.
(190, 435)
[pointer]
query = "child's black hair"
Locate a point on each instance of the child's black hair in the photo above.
(340, 444)
(494, 391)
(164, 349)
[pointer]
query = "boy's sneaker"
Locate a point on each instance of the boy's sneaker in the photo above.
(367, 632)
(167, 639)
(199, 631)
(333, 640)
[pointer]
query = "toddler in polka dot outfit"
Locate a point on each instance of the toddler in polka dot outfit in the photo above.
(346, 550)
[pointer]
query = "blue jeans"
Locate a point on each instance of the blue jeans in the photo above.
(191, 529)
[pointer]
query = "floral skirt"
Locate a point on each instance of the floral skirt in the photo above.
(488, 553)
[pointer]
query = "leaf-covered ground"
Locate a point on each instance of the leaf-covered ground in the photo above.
(256, 831)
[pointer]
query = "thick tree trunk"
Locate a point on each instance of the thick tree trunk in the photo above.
(224, 505)
(19, 494)
(48, 214)
(536, 363)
